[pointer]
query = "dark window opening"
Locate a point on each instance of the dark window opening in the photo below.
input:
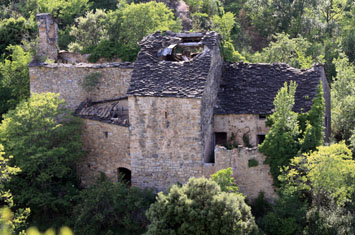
(262, 116)
(260, 138)
(166, 115)
(220, 138)
(125, 175)
(106, 134)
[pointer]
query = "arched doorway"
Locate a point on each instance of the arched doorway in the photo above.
(124, 174)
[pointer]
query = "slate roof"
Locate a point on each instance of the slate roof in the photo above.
(155, 77)
(111, 111)
(251, 88)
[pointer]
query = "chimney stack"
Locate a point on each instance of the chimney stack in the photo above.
(48, 37)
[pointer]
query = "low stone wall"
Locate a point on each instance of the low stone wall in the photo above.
(240, 124)
(165, 140)
(66, 80)
(250, 180)
(107, 149)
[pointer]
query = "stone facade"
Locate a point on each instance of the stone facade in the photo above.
(250, 125)
(158, 118)
(66, 79)
(250, 180)
(165, 140)
(107, 149)
(48, 37)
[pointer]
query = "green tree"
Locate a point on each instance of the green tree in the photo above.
(223, 24)
(13, 31)
(15, 77)
(9, 221)
(343, 100)
(328, 173)
(326, 178)
(295, 52)
(64, 10)
(281, 142)
(45, 142)
(139, 20)
(200, 207)
(313, 135)
(89, 30)
(224, 178)
(112, 208)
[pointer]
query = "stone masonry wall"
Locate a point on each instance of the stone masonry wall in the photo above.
(250, 180)
(66, 78)
(107, 149)
(165, 140)
(240, 124)
(47, 37)
(209, 98)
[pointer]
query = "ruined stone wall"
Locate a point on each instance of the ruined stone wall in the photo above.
(165, 140)
(66, 80)
(208, 102)
(240, 124)
(326, 95)
(250, 180)
(107, 147)
(47, 37)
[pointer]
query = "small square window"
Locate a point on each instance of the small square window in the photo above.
(106, 134)
(221, 138)
(262, 116)
(260, 138)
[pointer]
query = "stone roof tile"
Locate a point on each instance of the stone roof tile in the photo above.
(153, 76)
(251, 88)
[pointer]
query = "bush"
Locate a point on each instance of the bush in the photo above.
(13, 31)
(253, 162)
(287, 216)
(200, 207)
(331, 219)
(230, 54)
(90, 81)
(15, 77)
(112, 208)
(45, 142)
(89, 31)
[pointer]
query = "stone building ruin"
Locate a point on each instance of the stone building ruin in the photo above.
(168, 116)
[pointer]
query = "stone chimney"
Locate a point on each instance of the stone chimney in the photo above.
(48, 37)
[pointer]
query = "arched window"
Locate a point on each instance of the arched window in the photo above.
(124, 174)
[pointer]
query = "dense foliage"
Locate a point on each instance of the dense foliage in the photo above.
(9, 221)
(45, 142)
(112, 208)
(291, 133)
(343, 102)
(200, 207)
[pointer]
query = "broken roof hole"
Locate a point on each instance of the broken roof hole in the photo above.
(185, 51)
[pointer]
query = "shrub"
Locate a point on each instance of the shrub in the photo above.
(89, 31)
(200, 207)
(15, 76)
(112, 208)
(90, 81)
(252, 162)
(224, 178)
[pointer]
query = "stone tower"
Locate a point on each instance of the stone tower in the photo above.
(171, 97)
(48, 37)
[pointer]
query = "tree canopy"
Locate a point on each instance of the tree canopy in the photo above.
(200, 207)
(45, 142)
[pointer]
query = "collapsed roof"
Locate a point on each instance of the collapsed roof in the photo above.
(113, 111)
(173, 65)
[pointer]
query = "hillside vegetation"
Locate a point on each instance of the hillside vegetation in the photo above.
(40, 141)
